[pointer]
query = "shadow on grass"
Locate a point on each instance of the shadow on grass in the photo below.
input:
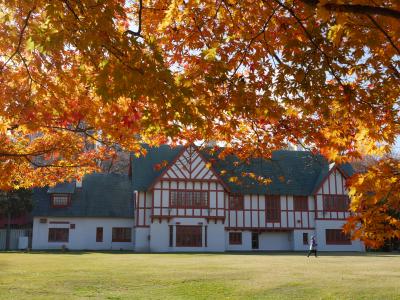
(320, 253)
(58, 252)
(236, 253)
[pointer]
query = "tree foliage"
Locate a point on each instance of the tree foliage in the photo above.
(15, 203)
(376, 203)
(255, 74)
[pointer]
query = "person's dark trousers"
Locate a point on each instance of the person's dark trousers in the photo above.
(312, 251)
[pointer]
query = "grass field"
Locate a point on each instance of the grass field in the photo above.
(78, 275)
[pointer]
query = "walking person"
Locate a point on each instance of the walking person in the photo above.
(313, 246)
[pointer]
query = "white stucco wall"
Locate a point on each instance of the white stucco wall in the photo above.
(322, 225)
(159, 236)
(275, 241)
(298, 239)
(142, 242)
(216, 233)
(83, 237)
(246, 242)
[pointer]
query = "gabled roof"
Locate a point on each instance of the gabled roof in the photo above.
(144, 168)
(291, 172)
(62, 188)
(101, 195)
(346, 170)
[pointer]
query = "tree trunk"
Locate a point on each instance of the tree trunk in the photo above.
(8, 231)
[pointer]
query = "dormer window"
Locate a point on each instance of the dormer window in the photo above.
(60, 200)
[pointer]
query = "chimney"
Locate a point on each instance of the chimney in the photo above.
(78, 183)
(211, 143)
(130, 165)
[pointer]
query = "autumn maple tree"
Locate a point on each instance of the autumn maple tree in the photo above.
(376, 203)
(255, 75)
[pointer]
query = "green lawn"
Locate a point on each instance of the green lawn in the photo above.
(198, 276)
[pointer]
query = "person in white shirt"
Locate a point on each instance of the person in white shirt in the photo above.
(313, 246)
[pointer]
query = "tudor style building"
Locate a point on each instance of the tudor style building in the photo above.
(184, 199)
(189, 206)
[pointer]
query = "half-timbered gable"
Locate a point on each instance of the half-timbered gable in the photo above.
(145, 171)
(188, 187)
(189, 166)
(183, 190)
(331, 195)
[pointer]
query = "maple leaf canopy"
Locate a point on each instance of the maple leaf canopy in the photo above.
(256, 75)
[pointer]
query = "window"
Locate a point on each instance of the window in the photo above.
(121, 234)
(205, 236)
(336, 202)
(235, 238)
(337, 237)
(99, 234)
(236, 202)
(188, 236)
(60, 200)
(300, 203)
(171, 236)
(189, 199)
(305, 238)
(255, 240)
(273, 208)
(58, 235)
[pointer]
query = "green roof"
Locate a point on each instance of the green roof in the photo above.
(144, 169)
(62, 188)
(290, 172)
(346, 169)
(101, 195)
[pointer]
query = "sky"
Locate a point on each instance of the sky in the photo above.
(396, 147)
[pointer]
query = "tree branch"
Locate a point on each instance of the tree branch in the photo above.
(356, 8)
(264, 27)
(71, 9)
(138, 32)
(328, 59)
(384, 33)
(21, 35)
(54, 166)
(26, 154)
